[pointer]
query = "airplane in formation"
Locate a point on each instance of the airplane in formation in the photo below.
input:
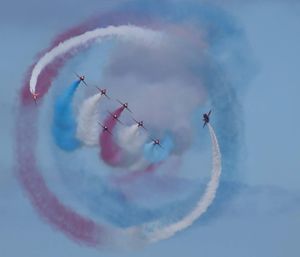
(103, 92)
(125, 105)
(35, 97)
(81, 78)
(116, 117)
(105, 128)
(206, 118)
(140, 124)
(156, 142)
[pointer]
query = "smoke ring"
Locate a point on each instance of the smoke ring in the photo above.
(28, 173)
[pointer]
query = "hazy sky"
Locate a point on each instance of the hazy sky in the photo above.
(263, 220)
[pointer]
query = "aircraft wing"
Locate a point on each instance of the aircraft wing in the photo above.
(135, 120)
(119, 102)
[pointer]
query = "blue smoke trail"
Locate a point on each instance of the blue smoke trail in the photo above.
(64, 124)
(155, 153)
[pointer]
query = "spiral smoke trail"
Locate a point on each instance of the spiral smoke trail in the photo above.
(198, 56)
(126, 32)
(203, 203)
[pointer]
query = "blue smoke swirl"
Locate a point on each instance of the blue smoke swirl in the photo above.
(64, 123)
(157, 153)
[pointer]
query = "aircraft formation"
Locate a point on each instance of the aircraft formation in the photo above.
(140, 124)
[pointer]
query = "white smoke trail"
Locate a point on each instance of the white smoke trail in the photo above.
(131, 138)
(87, 121)
(140, 165)
(126, 32)
(203, 203)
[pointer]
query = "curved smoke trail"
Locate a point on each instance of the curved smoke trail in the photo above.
(110, 152)
(64, 124)
(203, 203)
(125, 31)
(79, 228)
(88, 127)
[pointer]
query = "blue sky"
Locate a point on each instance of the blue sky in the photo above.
(263, 220)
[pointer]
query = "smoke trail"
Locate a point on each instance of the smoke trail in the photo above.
(64, 124)
(203, 203)
(81, 229)
(110, 152)
(218, 29)
(141, 165)
(156, 153)
(126, 32)
(132, 138)
(88, 127)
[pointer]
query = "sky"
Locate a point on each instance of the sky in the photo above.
(262, 219)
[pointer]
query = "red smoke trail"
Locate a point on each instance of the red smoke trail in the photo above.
(110, 152)
(51, 71)
(48, 205)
